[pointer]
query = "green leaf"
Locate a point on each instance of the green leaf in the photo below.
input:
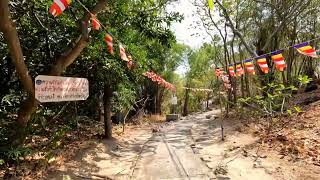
(210, 4)
(258, 97)
(1, 162)
(270, 96)
(298, 109)
(289, 112)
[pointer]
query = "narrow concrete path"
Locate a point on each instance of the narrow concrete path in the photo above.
(186, 149)
(172, 156)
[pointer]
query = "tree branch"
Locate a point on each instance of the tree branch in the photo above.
(11, 37)
(67, 58)
(76, 47)
(234, 30)
(285, 19)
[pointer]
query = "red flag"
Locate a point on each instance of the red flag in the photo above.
(306, 49)
(262, 62)
(108, 39)
(95, 22)
(231, 70)
(58, 6)
(239, 69)
(278, 60)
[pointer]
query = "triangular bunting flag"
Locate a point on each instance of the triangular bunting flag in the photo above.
(231, 70)
(278, 60)
(58, 6)
(262, 62)
(306, 49)
(108, 39)
(95, 22)
(123, 54)
(248, 64)
(239, 69)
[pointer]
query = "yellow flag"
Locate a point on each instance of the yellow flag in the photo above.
(210, 4)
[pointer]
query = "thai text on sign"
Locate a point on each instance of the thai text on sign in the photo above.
(57, 88)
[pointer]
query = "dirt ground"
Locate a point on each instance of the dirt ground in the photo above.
(190, 148)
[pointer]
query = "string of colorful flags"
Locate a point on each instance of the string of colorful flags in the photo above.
(156, 78)
(224, 77)
(277, 57)
(57, 8)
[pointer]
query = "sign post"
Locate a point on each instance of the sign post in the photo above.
(174, 102)
(174, 116)
(57, 88)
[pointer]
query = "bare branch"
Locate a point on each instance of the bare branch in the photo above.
(235, 31)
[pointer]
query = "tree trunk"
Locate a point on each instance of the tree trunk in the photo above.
(234, 80)
(159, 95)
(12, 38)
(186, 101)
(101, 108)
(107, 97)
(247, 82)
(208, 98)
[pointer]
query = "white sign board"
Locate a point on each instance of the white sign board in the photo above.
(57, 88)
(174, 100)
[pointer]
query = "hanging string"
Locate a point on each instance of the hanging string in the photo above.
(286, 48)
(105, 28)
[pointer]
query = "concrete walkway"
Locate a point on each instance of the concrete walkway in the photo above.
(186, 149)
(172, 155)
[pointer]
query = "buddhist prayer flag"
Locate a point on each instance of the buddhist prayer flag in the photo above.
(58, 6)
(231, 70)
(95, 22)
(262, 62)
(156, 78)
(123, 54)
(239, 69)
(248, 64)
(306, 49)
(226, 82)
(109, 40)
(278, 60)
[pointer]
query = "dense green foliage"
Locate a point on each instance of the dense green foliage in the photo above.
(239, 30)
(141, 26)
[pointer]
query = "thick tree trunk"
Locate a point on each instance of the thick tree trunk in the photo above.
(12, 38)
(107, 97)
